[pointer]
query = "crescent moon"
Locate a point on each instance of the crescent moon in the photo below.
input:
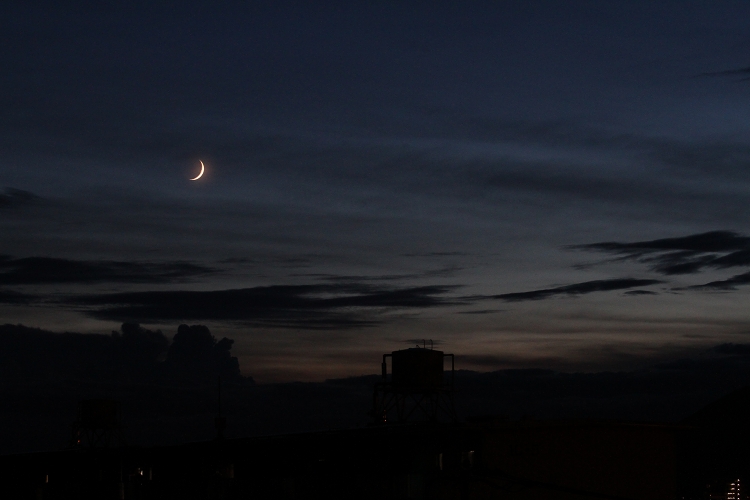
(203, 169)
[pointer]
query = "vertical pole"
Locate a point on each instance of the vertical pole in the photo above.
(219, 422)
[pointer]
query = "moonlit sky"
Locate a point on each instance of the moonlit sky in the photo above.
(381, 172)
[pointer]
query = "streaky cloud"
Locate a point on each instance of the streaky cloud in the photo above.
(684, 255)
(45, 270)
(730, 72)
(727, 284)
(17, 298)
(12, 197)
(432, 273)
(326, 306)
(712, 241)
(577, 289)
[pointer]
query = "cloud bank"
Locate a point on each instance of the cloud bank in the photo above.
(328, 306)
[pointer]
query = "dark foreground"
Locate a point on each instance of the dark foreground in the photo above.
(480, 459)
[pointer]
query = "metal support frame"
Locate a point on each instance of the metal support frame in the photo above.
(96, 438)
(87, 433)
(392, 403)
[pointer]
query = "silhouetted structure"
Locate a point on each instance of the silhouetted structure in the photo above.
(98, 424)
(483, 458)
(417, 388)
(220, 422)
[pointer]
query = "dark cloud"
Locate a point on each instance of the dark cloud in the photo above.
(432, 273)
(727, 284)
(15, 197)
(565, 180)
(577, 289)
(483, 177)
(708, 156)
(132, 355)
(714, 241)
(35, 355)
(38, 270)
(640, 292)
(730, 72)
(271, 260)
(734, 349)
(437, 254)
(195, 355)
(11, 297)
(683, 255)
(300, 306)
(710, 160)
(139, 351)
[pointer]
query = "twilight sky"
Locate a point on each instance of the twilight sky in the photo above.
(533, 184)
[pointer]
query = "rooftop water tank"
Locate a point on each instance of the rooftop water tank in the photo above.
(98, 414)
(417, 367)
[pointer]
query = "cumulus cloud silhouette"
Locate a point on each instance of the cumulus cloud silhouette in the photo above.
(139, 351)
(132, 355)
(196, 355)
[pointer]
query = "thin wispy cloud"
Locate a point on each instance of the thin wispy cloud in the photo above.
(443, 272)
(577, 289)
(326, 306)
(15, 197)
(727, 284)
(48, 270)
(682, 255)
(17, 298)
(730, 72)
